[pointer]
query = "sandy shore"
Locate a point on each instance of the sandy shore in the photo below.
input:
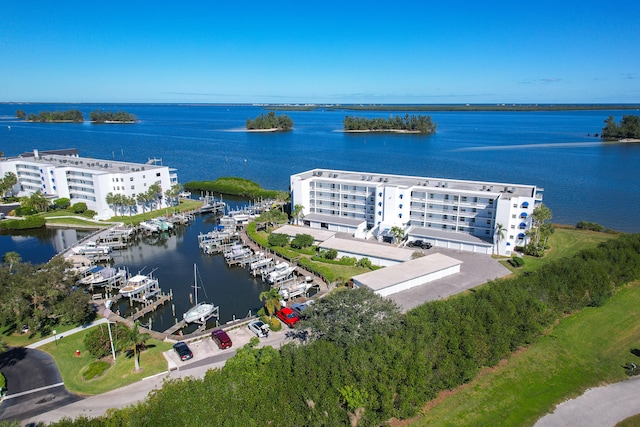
(381, 130)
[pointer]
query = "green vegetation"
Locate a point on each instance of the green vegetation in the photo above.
(22, 224)
(98, 116)
(39, 297)
(56, 116)
(413, 123)
(583, 351)
(95, 369)
(270, 121)
(120, 373)
(3, 384)
(7, 182)
(629, 127)
(235, 187)
(439, 345)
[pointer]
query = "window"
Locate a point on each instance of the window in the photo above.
(515, 205)
(133, 187)
(490, 201)
(510, 237)
(464, 198)
(131, 178)
(488, 222)
(512, 226)
(513, 216)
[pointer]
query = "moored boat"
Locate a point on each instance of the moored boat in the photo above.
(138, 284)
(200, 312)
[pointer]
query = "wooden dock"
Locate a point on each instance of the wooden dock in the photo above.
(152, 305)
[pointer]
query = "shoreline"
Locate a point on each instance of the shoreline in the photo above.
(387, 131)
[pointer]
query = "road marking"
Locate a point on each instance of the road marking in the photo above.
(35, 390)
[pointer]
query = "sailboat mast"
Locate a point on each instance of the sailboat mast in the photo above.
(195, 282)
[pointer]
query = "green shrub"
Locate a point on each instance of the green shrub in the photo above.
(95, 369)
(23, 224)
(25, 211)
(61, 203)
(516, 261)
(329, 254)
(278, 239)
(79, 207)
(302, 241)
(364, 262)
(3, 383)
(586, 225)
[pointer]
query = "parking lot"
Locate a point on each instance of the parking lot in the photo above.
(206, 351)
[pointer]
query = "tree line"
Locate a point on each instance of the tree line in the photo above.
(413, 123)
(41, 296)
(76, 116)
(356, 370)
(629, 127)
(52, 116)
(270, 121)
(98, 116)
(149, 199)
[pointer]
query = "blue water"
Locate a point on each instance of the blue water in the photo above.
(583, 178)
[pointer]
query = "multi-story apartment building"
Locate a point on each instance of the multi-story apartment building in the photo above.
(450, 213)
(62, 173)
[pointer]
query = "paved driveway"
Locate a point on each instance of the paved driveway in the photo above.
(475, 270)
(34, 384)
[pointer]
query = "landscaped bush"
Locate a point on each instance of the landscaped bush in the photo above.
(278, 239)
(61, 203)
(3, 384)
(25, 211)
(23, 224)
(329, 254)
(79, 207)
(586, 225)
(302, 241)
(516, 261)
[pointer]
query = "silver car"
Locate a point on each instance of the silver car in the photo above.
(259, 328)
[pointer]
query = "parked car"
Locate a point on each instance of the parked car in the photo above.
(183, 350)
(221, 338)
(299, 308)
(288, 316)
(259, 328)
(419, 244)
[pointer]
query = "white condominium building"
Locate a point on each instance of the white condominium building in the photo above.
(62, 173)
(456, 214)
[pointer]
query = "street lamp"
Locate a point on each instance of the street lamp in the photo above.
(113, 351)
(55, 337)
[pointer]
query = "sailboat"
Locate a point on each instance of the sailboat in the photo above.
(199, 312)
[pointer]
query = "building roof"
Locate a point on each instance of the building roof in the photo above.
(318, 234)
(433, 184)
(425, 232)
(399, 273)
(87, 163)
(368, 249)
(337, 220)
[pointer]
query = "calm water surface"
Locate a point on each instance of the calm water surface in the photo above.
(583, 178)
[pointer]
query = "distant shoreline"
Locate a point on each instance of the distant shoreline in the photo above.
(266, 130)
(385, 131)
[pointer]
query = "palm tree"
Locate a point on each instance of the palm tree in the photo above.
(499, 235)
(11, 258)
(298, 213)
(137, 341)
(397, 232)
(271, 300)
(540, 215)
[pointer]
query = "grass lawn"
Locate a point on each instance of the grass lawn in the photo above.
(585, 350)
(564, 242)
(71, 366)
(13, 339)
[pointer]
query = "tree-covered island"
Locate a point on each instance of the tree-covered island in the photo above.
(270, 122)
(406, 124)
(107, 117)
(74, 116)
(629, 128)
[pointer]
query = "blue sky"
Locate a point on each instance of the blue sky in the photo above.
(321, 51)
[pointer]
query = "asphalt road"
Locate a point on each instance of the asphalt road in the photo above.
(34, 384)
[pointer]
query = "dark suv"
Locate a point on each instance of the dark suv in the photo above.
(419, 244)
(184, 353)
(221, 338)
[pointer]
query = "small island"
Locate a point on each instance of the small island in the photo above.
(69, 116)
(407, 124)
(270, 123)
(108, 117)
(628, 130)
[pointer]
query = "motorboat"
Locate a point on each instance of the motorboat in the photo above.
(281, 271)
(200, 312)
(100, 276)
(138, 284)
(91, 248)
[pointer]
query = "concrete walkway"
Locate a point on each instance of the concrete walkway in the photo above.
(69, 332)
(597, 407)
